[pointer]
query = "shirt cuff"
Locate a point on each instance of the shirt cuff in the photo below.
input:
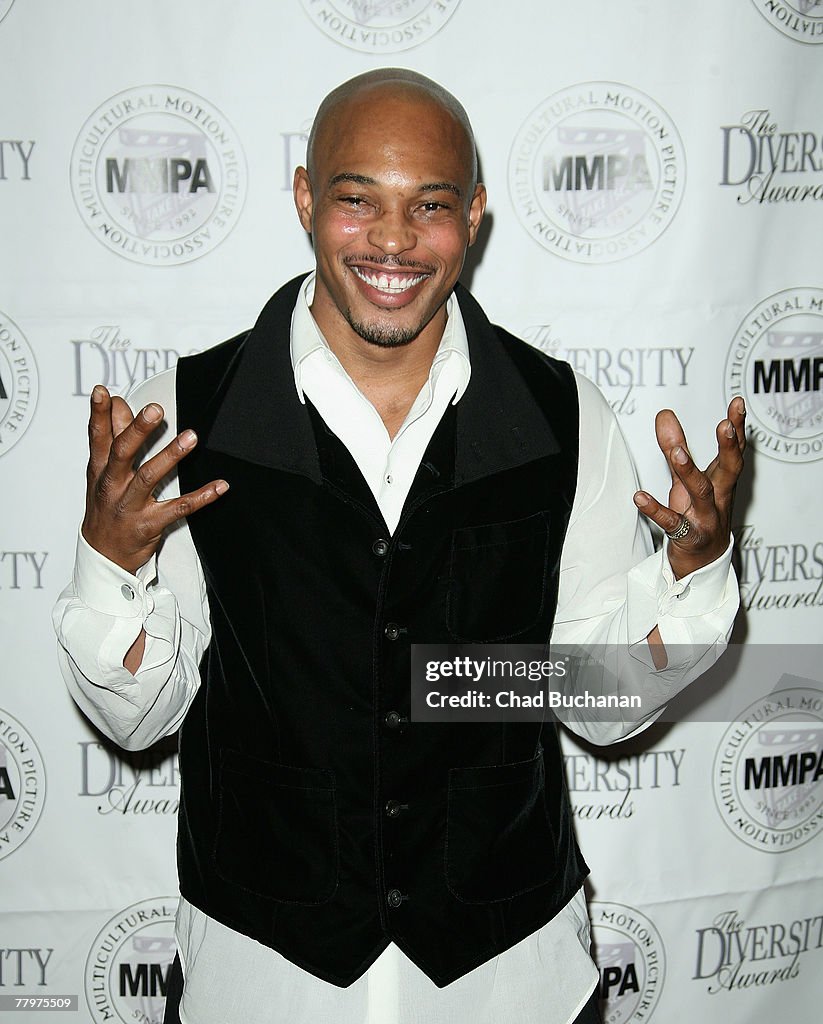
(699, 592)
(694, 614)
(107, 587)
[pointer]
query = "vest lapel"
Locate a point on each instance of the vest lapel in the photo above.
(259, 417)
(499, 422)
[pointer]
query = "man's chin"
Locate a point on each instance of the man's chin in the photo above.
(384, 335)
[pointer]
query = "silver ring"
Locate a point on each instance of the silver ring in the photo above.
(681, 530)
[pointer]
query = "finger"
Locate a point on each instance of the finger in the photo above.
(100, 432)
(168, 512)
(726, 468)
(666, 518)
(668, 430)
(737, 417)
(128, 442)
(670, 435)
(698, 485)
(153, 470)
(121, 415)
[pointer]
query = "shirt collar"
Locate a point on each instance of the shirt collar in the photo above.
(306, 340)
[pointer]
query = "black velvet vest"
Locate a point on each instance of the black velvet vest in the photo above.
(315, 817)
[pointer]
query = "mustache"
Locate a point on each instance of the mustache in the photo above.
(390, 262)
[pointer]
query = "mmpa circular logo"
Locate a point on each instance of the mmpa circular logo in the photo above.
(22, 784)
(380, 26)
(801, 20)
(158, 175)
(597, 172)
(768, 771)
(18, 384)
(776, 363)
(127, 969)
(630, 958)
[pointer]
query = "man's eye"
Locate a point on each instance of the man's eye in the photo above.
(353, 200)
(434, 206)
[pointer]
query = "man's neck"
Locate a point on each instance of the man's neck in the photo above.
(390, 377)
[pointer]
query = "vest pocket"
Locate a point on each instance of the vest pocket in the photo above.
(497, 579)
(277, 829)
(499, 838)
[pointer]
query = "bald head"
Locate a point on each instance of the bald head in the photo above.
(396, 84)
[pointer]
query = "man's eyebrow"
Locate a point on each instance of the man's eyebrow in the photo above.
(358, 179)
(442, 186)
(364, 179)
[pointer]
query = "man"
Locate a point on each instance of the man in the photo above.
(400, 472)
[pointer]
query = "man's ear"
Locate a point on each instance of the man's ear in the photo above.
(303, 199)
(477, 207)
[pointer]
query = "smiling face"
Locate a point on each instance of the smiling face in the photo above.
(391, 205)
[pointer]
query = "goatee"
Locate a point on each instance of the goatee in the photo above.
(381, 335)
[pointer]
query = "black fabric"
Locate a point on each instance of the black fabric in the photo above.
(501, 810)
(174, 992)
(515, 556)
(287, 757)
(590, 1014)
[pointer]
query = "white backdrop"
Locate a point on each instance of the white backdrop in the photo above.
(655, 174)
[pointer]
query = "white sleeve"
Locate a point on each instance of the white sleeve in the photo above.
(614, 588)
(102, 611)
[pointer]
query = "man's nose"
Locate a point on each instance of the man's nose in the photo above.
(392, 232)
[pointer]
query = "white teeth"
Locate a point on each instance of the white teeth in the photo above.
(390, 285)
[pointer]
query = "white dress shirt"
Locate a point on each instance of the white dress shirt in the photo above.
(612, 590)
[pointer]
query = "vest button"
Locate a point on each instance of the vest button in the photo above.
(392, 631)
(392, 720)
(394, 897)
(393, 808)
(380, 547)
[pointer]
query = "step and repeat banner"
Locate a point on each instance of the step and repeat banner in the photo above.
(655, 176)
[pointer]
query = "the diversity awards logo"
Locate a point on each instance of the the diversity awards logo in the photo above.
(380, 26)
(733, 953)
(622, 374)
(597, 172)
(768, 770)
(631, 961)
(22, 784)
(763, 164)
(127, 969)
(776, 362)
(18, 384)
(613, 790)
(142, 784)
(780, 573)
(798, 19)
(158, 175)
(106, 354)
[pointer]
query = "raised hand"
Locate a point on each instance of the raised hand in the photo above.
(123, 520)
(697, 519)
